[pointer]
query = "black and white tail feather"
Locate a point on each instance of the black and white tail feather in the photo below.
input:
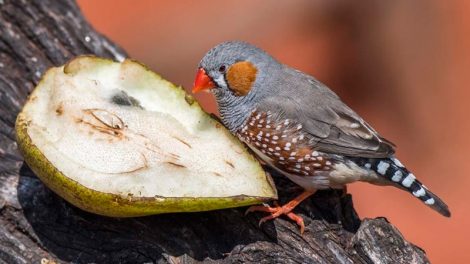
(398, 175)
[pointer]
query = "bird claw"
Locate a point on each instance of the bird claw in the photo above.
(275, 212)
(298, 220)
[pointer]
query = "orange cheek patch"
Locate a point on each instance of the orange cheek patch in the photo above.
(240, 77)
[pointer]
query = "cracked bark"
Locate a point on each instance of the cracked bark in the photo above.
(36, 224)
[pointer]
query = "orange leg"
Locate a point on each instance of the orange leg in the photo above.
(283, 210)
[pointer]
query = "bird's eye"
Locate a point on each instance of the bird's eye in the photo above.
(222, 69)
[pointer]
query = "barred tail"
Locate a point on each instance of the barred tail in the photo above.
(395, 172)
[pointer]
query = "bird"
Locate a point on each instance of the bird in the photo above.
(299, 127)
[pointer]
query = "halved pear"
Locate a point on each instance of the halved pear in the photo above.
(116, 139)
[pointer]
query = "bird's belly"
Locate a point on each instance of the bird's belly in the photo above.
(340, 175)
(311, 183)
(348, 172)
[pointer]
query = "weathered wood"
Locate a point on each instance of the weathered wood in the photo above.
(36, 224)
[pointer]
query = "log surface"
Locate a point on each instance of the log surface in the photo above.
(37, 226)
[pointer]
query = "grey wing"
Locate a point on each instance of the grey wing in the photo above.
(332, 126)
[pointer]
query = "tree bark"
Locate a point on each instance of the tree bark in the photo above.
(38, 226)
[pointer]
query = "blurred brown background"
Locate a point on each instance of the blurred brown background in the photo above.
(403, 65)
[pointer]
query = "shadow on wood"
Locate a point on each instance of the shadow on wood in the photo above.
(77, 236)
(74, 235)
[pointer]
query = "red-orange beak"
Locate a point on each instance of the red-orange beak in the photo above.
(202, 81)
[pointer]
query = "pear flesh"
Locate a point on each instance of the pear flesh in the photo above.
(118, 140)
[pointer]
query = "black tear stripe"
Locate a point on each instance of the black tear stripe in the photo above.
(399, 176)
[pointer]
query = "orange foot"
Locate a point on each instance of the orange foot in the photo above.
(283, 210)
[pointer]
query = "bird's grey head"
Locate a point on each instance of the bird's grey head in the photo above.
(233, 72)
